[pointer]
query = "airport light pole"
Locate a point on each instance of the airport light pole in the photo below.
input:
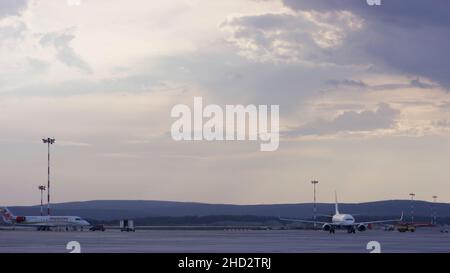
(412, 207)
(434, 210)
(42, 189)
(314, 182)
(48, 141)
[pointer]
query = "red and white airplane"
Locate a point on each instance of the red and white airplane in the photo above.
(42, 222)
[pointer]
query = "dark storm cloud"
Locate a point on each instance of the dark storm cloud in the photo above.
(403, 12)
(411, 36)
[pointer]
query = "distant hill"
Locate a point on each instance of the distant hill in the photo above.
(107, 210)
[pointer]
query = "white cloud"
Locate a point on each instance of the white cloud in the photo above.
(289, 36)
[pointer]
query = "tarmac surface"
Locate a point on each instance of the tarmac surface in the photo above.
(216, 241)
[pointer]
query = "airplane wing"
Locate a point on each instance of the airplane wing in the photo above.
(305, 221)
(324, 215)
(380, 221)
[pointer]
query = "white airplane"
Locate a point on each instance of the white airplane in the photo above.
(343, 221)
(42, 222)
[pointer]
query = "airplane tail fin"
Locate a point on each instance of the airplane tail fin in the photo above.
(336, 205)
(7, 215)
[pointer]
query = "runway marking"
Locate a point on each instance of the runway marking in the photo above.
(375, 246)
(74, 246)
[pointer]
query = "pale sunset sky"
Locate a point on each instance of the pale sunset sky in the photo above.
(363, 94)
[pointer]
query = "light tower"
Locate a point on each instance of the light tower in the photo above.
(42, 189)
(434, 210)
(314, 182)
(48, 141)
(412, 207)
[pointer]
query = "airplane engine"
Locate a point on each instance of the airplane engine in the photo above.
(20, 219)
(361, 227)
(326, 227)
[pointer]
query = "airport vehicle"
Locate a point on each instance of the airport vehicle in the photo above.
(43, 222)
(389, 228)
(343, 221)
(405, 226)
(97, 228)
(127, 225)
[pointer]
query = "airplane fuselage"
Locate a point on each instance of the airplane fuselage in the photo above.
(343, 220)
(50, 221)
(42, 221)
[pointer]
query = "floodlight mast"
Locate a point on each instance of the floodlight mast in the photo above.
(42, 189)
(434, 210)
(412, 206)
(48, 141)
(314, 182)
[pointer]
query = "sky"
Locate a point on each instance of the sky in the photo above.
(363, 94)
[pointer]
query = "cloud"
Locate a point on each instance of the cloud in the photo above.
(408, 13)
(65, 53)
(419, 84)
(348, 83)
(11, 29)
(382, 118)
(120, 155)
(127, 85)
(70, 143)
(415, 83)
(442, 123)
(409, 36)
(37, 65)
(290, 36)
(12, 7)
(444, 105)
(152, 55)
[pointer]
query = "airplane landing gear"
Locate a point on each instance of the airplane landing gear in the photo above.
(332, 230)
(43, 228)
(351, 230)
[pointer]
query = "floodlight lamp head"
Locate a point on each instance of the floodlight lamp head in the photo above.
(48, 140)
